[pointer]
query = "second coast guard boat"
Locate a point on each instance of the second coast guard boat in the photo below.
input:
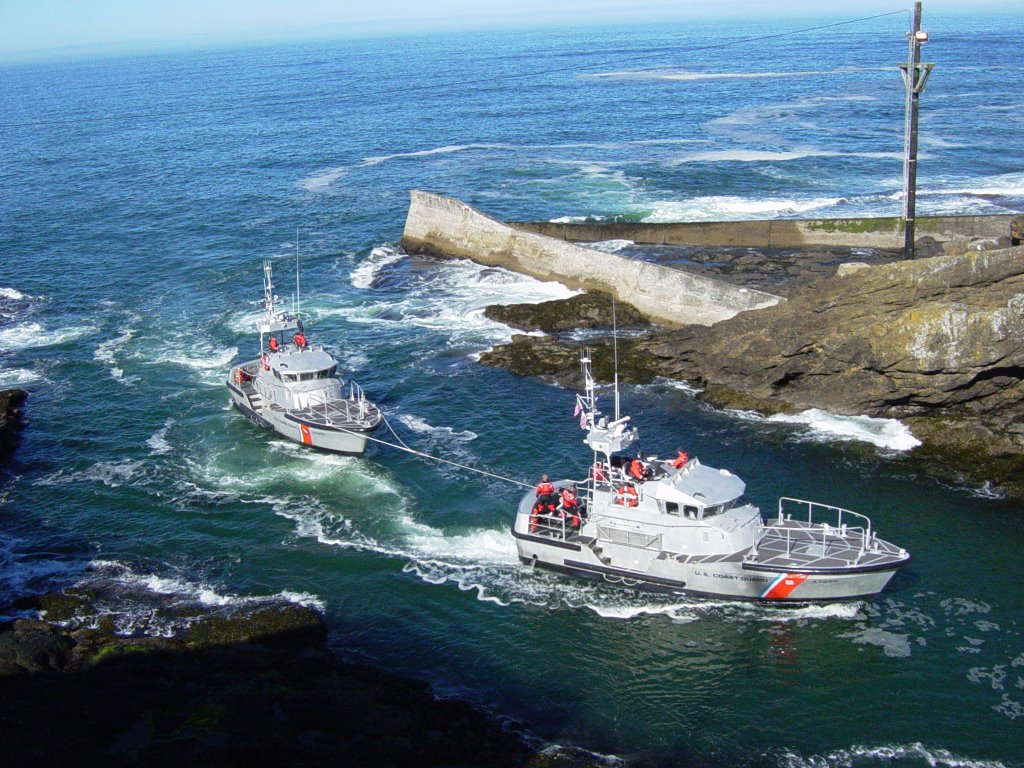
(294, 388)
(682, 527)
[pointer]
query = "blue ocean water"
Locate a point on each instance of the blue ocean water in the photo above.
(139, 195)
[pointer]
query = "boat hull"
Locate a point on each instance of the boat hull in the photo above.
(349, 442)
(731, 577)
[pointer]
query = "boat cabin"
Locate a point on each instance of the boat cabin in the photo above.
(697, 492)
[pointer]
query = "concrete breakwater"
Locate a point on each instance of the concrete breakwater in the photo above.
(444, 226)
(885, 232)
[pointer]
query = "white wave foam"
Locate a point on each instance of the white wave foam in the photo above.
(130, 603)
(682, 75)
(322, 179)
(106, 353)
(885, 433)
(682, 386)
(11, 293)
(116, 571)
(157, 442)
(366, 273)
(16, 377)
(202, 357)
(446, 150)
(892, 644)
(610, 246)
(113, 474)
(416, 424)
(887, 755)
(726, 207)
(452, 298)
(32, 335)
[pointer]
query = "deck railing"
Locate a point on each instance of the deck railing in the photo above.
(837, 528)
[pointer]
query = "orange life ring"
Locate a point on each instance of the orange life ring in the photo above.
(627, 496)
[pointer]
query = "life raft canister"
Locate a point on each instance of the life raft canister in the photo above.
(627, 496)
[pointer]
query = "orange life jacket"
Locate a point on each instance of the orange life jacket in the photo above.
(545, 489)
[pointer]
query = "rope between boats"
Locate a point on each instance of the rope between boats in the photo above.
(401, 446)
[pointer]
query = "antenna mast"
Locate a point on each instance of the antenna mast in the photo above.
(298, 302)
(615, 347)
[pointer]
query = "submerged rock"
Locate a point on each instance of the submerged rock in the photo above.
(11, 402)
(937, 341)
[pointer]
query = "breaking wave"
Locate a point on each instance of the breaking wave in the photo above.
(885, 433)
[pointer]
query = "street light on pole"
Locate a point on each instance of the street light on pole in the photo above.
(915, 76)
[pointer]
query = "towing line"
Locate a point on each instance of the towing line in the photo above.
(401, 446)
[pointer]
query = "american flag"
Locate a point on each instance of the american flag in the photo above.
(583, 421)
(579, 407)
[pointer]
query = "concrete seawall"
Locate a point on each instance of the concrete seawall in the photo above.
(777, 233)
(444, 226)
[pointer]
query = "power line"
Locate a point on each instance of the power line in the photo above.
(405, 89)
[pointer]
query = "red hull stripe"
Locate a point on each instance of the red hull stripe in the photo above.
(306, 437)
(781, 588)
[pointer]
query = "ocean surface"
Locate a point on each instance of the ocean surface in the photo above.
(139, 195)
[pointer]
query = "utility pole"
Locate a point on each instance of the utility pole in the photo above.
(915, 75)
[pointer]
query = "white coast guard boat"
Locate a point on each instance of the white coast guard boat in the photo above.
(294, 388)
(683, 527)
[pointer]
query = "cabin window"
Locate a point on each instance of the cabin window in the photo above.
(690, 512)
(712, 511)
(277, 373)
(672, 508)
(291, 377)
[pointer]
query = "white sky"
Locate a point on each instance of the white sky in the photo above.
(45, 28)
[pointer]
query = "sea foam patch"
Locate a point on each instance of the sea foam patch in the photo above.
(32, 335)
(366, 274)
(914, 754)
(885, 433)
(17, 377)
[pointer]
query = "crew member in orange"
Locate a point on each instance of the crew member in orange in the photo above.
(300, 340)
(545, 487)
(680, 460)
(571, 506)
(273, 343)
(637, 469)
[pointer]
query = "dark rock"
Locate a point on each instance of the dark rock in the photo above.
(87, 697)
(31, 646)
(586, 310)
(11, 402)
(1017, 230)
(288, 625)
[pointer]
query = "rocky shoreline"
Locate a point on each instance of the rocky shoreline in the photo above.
(255, 684)
(934, 342)
(259, 687)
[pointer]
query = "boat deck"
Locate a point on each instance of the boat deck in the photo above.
(343, 414)
(800, 545)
